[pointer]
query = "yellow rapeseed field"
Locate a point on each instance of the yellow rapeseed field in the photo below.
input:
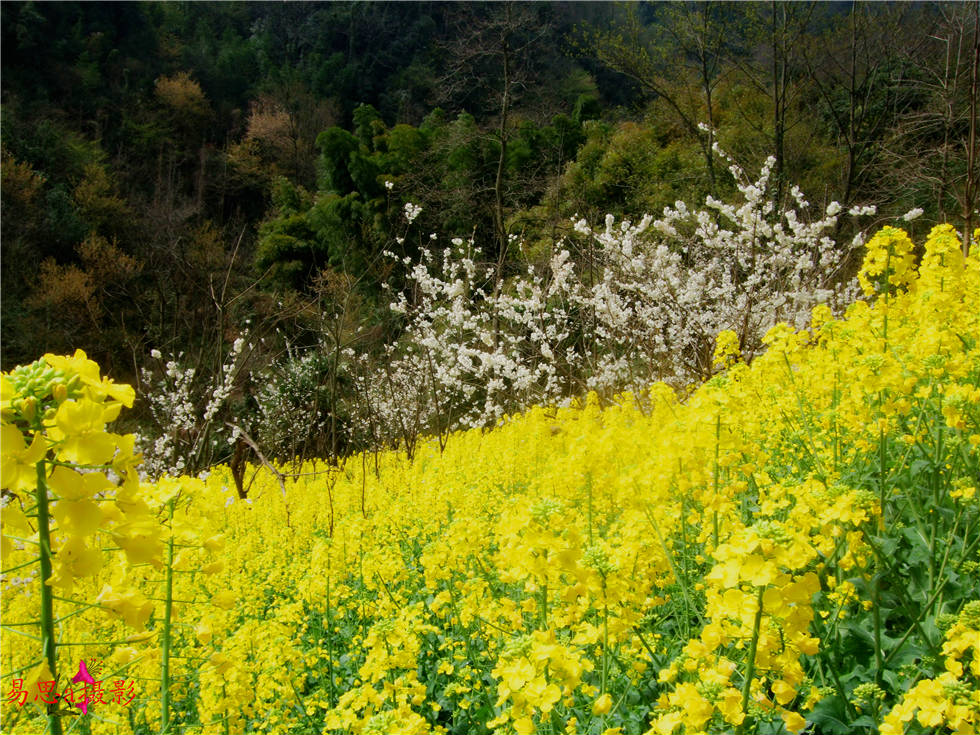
(794, 544)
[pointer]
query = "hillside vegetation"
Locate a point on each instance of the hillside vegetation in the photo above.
(220, 202)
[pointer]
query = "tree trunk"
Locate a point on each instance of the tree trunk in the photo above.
(498, 186)
(970, 194)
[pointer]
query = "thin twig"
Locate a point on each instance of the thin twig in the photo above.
(258, 453)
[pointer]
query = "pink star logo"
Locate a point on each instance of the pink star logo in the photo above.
(83, 676)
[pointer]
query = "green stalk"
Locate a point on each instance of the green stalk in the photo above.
(605, 639)
(876, 583)
(227, 714)
(876, 617)
(750, 664)
(165, 633)
(20, 566)
(588, 486)
(684, 544)
(714, 517)
(333, 691)
(888, 266)
(15, 631)
(605, 644)
(834, 404)
(457, 622)
(48, 643)
(544, 602)
(937, 484)
(882, 471)
(906, 602)
(681, 580)
(22, 669)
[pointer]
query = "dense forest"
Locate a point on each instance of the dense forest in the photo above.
(220, 201)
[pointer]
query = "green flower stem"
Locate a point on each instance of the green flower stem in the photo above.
(22, 540)
(906, 602)
(937, 485)
(544, 602)
(588, 487)
(885, 295)
(605, 645)
(83, 608)
(750, 662)
(876, 617)
(643, 642)
(937, 595)
(605, 639)
(120, 642)
(165, 633)
(806, 420)
(876, 582)
(715, 473)
(20, 632)
(225, 718)
(848, 706)
(299, 703)
(329, 637)
(11, 674)
(882, 476)
(83, 605)
(48, 643)
(681, 579)
(20, 566)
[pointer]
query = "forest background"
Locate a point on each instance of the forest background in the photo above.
(219, 202)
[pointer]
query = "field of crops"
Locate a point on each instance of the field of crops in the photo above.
(791, 546)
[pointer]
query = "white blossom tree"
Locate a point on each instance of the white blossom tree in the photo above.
(647, 308)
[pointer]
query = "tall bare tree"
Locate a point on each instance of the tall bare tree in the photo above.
(857, 70)
(678, 59)
(771, 60)
(490, 58)
(932, 147)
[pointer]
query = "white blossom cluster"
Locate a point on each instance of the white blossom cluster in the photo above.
(292, 401)
(475, 347)
(184, 408)
(645, 305)
(396, 400)
(668, 286)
